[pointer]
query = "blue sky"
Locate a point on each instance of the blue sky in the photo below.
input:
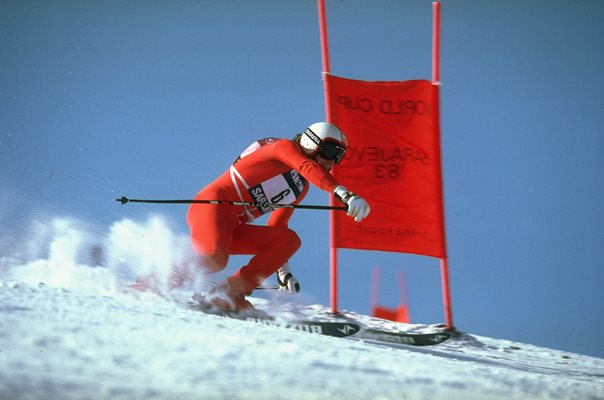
(156, 98)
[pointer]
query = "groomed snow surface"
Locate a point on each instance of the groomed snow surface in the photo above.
(69, 330)
(58, 343)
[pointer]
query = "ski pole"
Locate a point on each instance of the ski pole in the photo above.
(261, 287)
(125, 200)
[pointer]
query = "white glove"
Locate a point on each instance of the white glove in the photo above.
(286, 280)
(358, 208)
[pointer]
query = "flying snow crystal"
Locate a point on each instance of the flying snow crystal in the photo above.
(141, 248)
(58, 251)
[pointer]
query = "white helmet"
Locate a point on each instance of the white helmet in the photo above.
(325, 139)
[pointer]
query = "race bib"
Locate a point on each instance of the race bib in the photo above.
(280, 189)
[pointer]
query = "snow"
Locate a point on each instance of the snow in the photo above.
(103, 343)
(70, 330)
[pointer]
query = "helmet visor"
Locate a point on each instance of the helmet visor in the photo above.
(331, 150)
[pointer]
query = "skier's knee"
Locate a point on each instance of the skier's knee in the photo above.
(213, 262)
(292, 239)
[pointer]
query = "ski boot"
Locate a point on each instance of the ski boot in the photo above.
(229, 295)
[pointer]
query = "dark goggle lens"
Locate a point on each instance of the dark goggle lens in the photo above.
(332, 151)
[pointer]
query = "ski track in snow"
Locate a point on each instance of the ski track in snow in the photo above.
(89, 341)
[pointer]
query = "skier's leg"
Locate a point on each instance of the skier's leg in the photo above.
(212, 228)
(272, 247)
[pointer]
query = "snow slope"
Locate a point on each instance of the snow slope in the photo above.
(84, 338)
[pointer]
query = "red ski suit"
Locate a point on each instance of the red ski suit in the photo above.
(270, 171)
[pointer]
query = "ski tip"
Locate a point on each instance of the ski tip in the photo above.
(122, 200)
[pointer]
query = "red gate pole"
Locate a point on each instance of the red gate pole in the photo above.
(324, 44)
(333, 251)
(444, 262)
(444, 268)
(436, 43)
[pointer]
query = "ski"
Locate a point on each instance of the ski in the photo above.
(328, 328)
(337, 329)
(414, 339)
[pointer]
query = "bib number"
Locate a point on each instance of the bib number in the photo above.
(280, 189)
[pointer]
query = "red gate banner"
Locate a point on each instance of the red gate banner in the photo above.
(393, 161)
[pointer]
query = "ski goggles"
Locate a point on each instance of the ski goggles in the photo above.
(331, 150)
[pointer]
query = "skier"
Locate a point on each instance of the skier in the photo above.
(270, 171)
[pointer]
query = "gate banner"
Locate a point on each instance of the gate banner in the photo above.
(393, 161)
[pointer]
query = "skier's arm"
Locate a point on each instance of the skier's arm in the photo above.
(290, 154)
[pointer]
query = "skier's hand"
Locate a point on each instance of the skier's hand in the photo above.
(358, 208)
(286, 280)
